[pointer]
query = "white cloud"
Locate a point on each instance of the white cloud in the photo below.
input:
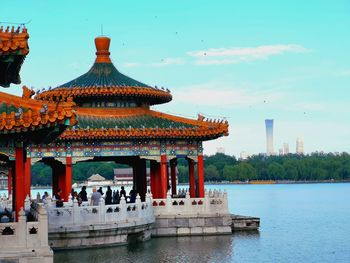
(343, 73)
(217, 56)
(131, 64)
(214, 94)
(169, 61)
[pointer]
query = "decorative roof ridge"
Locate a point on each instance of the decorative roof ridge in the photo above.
(37, 113)
(20, 31)
(107, 91)
(14, 39)
(201, 121)
(27, 102)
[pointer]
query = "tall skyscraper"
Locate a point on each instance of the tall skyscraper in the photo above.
(299, 146)
(285, 148)
(269, 136)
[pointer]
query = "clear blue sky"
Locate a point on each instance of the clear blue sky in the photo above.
(243, 60)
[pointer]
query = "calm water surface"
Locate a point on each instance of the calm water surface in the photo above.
(299, 223)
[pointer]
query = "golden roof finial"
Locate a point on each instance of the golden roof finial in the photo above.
(102, 49)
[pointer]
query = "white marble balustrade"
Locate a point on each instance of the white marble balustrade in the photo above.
(214, 202)
(74, 215)
(22, 237)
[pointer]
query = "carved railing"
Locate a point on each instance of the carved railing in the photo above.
(214, 202)
(85, 215)
(23, 235)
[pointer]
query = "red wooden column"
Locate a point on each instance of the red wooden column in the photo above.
(200, 169)
(67, 185)
(163, 176)
(153, 178)
(57, 175)
(173, 165)
(18, 189)
(27, 178)
(9, 181)
(191, 177)
(139, 171)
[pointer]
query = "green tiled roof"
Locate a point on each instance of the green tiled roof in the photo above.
(138, 121)
(103, 74)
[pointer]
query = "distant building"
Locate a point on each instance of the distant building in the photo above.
(269, 136)
(285, 148)
(244, 155)
(220, 150)
(280, 151)
(124, 176)
(299, 146)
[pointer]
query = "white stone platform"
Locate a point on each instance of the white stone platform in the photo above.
(192, 216)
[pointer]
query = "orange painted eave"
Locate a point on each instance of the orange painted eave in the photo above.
(32, 117)
(14, 41)
(204, 129)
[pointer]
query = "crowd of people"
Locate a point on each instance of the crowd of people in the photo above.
(110, 197)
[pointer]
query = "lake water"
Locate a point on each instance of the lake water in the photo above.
(299, 223)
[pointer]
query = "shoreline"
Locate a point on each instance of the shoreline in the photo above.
(240, 183)
(274, 182)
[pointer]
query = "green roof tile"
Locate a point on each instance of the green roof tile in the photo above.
(139, 121)
(103, 74)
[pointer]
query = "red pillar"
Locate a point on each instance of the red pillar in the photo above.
(67, 185)
(57, 175)
(192, 179)
(27, 180)
(173, 165)
(139, 171)
(18, 189)
(163, 177)
(153, 178)
(9, 181)
(200, 169)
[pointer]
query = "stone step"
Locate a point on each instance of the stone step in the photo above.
(244, 223)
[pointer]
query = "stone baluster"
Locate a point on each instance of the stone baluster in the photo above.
(138, 206)
(70, 200)
(21, 228)
(188, 203)
(43, 226)
(206, 203)
(168, 202)
(123, 207)
(225, 203)
(27, 203)
(38, 197)
(102, 210)
(149, 202)
(76, 212)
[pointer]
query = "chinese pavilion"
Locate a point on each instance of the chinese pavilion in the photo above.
(23, 120)
(115, 122)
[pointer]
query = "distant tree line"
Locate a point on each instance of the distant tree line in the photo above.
(221, 167)
(316, 166)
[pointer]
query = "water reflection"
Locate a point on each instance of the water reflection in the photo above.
(303, 223)
(176, 249)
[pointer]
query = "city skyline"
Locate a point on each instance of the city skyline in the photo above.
(239, 60)
(269, 137)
